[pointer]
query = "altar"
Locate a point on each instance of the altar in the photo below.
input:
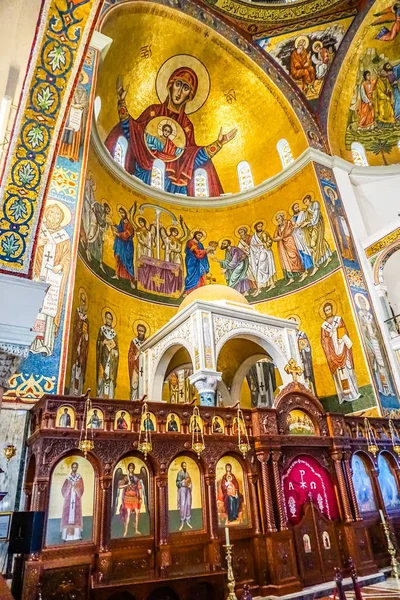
(159, 276)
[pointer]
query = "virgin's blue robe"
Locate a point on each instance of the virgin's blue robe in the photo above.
(123, 246)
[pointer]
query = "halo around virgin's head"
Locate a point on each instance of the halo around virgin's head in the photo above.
(176, 62)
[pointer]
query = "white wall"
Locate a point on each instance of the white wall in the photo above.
(378, 197)
(391, 275)
(18, 20)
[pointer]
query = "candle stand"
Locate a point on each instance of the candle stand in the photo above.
(231, 577)
(391, 549)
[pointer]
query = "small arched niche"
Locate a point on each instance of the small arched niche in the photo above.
(299, 422)
(176, 386)
(249, 371)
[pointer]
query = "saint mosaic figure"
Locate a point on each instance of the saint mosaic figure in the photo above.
(196, 261)
(80, 346)
(132, 493)
(184, 503)
(315, 231)
(133, 360)
(289, 256)
(94, 421)
(65, 419)
(231, 496)
(301, 67)
(262, 260)
(121, 421)
(298, 220)
(370, 334)
(75, 127)
(164, 131)
(72, 519)
(172, 423)
(123, 248)
(235, 266)
(337, 346)
(107, 358)
(52, 265)
(305, 352)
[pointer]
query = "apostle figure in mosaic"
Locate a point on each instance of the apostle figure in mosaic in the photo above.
(301, 67)
(107, 358)
(315, 232)
(289, 256)
(184, 485)
(234, 266)
(133, 360)
(65, 419)
(370, 333)
(298, 219)
(337, 346)
(262, 260)
(80, 346)
(72, 492)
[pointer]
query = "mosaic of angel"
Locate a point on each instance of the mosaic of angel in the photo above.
(164, 131)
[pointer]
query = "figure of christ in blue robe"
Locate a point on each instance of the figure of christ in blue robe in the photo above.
(123, 250)
(197, 265)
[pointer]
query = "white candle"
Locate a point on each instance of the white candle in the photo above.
(382, 517)
(227, 540)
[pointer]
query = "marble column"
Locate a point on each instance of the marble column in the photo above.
(206, 384)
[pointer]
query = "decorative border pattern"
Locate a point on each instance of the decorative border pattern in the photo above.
(58, 50)
(370, 334)
(387, 240)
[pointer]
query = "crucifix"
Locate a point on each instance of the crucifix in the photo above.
(48, 255)
(59, 236)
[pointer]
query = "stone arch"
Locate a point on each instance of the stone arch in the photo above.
(161, 366)
(263, 340)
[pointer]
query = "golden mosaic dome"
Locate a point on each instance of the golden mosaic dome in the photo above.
(211, 293)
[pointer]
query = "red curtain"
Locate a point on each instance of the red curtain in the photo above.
(305, 478)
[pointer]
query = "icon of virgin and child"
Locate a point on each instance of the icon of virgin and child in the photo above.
(164, 131)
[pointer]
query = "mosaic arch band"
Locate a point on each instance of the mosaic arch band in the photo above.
(164, 131)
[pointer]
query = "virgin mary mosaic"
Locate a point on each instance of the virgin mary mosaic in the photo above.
(164, 131)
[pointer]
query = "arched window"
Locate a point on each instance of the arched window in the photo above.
(200, 183)
(97, 107)
(359, 156)
(285, 152)
(120, 150)
(245, 176)
(158, 174)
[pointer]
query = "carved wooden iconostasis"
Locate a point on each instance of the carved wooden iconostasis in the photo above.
(305, 498)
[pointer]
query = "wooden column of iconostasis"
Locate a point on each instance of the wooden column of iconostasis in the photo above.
(56, 249)
(323, 292)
